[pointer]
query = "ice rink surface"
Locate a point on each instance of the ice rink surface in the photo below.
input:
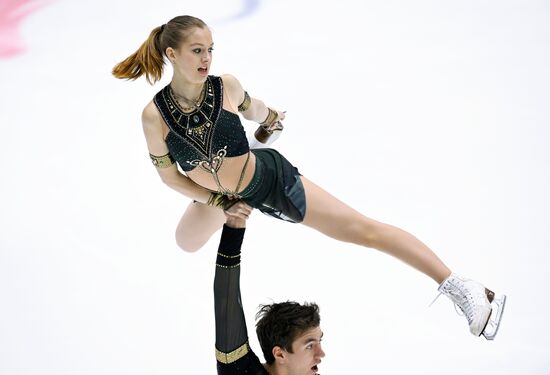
(430, 115)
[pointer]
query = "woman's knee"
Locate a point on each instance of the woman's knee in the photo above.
(366, 232)
(197, 225)
(189, 244)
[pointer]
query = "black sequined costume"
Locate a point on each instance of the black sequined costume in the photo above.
(208, 134)
(199, 136)
(233, 354)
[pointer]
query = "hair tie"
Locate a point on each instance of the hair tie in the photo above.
(162, 28)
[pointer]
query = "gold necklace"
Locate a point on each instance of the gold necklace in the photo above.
(196, 102)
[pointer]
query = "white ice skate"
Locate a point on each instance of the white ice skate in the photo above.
(482, 308)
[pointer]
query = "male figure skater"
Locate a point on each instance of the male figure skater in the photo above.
(289, 333)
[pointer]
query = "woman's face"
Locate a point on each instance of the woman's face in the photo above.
(193, 58)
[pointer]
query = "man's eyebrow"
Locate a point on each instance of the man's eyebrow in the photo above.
(313, 339)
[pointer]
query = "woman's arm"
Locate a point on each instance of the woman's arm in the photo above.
(257, 111)
(169, 173)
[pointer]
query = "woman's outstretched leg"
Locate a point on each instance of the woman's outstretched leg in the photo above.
(481, 307)
(198, 223)
(334, 218)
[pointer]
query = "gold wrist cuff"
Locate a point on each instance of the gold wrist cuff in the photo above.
(263, 132)
(221, 200)
(271, 117)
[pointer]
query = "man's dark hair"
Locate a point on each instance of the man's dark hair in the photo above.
(279, 324)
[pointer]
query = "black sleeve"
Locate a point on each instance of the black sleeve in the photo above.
(233, 353)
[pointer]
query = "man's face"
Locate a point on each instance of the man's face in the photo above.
(307, 353)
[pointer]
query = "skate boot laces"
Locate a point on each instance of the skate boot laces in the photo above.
(462, 298)
(471, 299)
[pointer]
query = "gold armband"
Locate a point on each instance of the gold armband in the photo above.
(163, 161)
(245, 104)
(271, 117)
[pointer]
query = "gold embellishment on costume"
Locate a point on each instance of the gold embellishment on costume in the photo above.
(196, 126)
(223, 197)
(234, 355)
(245, 104)
(196, 103)
(228, 256)
(228, 267)
(163, 161)
(214, 164)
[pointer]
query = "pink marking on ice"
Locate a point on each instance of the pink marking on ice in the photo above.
(12, 13)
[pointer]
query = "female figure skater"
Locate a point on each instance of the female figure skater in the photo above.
(193, 122)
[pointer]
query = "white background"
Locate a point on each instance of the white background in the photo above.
(430, 115)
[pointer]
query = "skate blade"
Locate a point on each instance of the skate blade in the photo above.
(497, 306)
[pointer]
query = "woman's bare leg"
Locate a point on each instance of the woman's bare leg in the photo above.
(339, 221)
(198, 223)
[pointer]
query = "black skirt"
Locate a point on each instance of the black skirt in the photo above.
(276, 188)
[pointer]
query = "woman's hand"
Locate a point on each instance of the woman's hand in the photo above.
(238, 214)
(281, 115)
(240, 210)
(277, 125)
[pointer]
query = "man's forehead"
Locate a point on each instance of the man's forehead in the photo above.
(312, 334)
